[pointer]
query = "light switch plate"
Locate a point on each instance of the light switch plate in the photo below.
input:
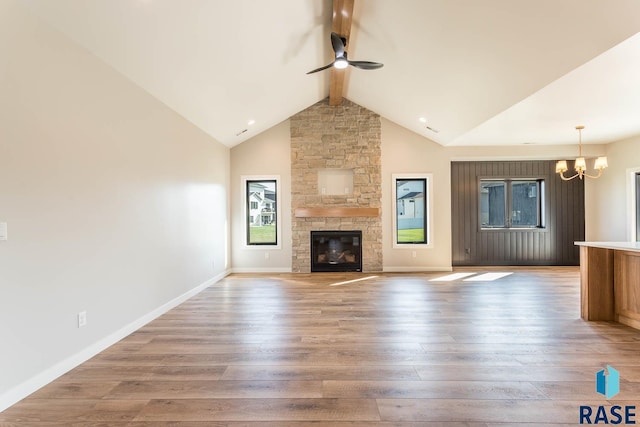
(3, 231)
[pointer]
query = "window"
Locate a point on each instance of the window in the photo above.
(262, 202)
(492, 204)
(507, 203)
(411, 196)
(637, 207)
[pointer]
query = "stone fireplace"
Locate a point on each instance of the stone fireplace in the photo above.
(336, 179)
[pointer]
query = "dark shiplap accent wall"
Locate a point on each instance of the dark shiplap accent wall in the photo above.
(553, 245)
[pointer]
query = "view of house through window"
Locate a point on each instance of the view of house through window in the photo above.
(261, 212)
(411, 211)
(506, 203)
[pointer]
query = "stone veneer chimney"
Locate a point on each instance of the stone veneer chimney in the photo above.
(341, 137)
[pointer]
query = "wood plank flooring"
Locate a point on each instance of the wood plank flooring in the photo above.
(397, 350)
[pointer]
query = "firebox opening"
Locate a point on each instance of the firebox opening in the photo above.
(336, 250)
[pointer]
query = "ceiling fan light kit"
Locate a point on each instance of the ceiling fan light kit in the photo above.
(580, 164)
(341, 62)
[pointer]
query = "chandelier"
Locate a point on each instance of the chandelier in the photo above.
(580, 164)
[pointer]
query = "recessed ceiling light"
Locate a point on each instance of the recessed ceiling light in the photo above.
(251, 122)
(422, 120)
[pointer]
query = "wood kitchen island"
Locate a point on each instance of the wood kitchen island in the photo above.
(610, 282)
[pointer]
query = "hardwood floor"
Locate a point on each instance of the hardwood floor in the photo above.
(395, 350)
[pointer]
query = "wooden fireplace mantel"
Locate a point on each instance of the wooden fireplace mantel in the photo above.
(336, 212)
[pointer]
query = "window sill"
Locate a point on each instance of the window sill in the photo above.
(262, 247)
(412, 246)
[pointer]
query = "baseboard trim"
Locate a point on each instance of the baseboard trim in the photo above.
(384, 270)
(415, 269)
(16, 394)
(261, 270)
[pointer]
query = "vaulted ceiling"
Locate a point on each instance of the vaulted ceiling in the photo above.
(477, 72)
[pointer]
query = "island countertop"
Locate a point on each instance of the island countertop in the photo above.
(621, 246)
(610, 282)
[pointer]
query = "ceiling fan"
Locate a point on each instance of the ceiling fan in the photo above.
(341, 60)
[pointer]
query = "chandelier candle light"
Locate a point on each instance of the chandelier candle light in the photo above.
(580, 164)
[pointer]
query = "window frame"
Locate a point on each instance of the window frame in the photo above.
(637, 222)
(633, 203)
(246, 209)
(508, 206)
(506, 187)
(428, 214)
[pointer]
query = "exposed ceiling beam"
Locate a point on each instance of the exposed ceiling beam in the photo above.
(342, 14)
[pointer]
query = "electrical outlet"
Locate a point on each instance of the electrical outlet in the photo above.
(414, 254)
(82, 319)
(266, 255)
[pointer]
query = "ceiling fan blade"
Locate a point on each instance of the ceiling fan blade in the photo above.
(366, 65)
(338, 45)
(321, 68)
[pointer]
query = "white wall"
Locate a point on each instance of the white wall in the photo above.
(266, 154)
(114, 204)
(608, 212)
(405, 152)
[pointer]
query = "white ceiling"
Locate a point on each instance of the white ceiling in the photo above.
(481, 72)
